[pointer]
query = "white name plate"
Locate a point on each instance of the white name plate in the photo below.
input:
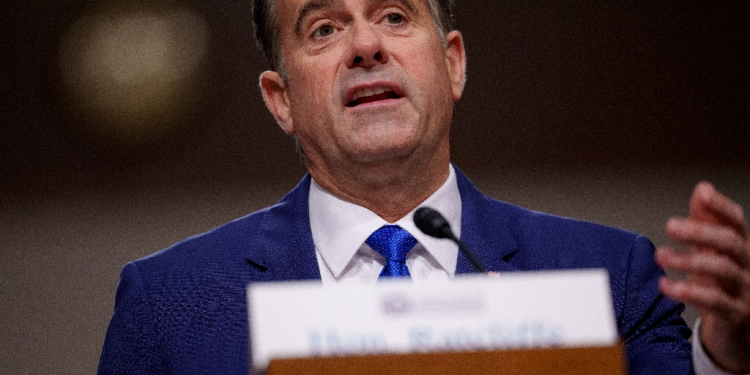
(512, 310)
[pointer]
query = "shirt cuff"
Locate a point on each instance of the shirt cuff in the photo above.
(702, 364)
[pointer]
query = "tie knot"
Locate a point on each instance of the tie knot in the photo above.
(392, 242)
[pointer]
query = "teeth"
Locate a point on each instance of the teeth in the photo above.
(358, 94)
(369, 91)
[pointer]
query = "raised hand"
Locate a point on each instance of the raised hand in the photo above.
(717, 269)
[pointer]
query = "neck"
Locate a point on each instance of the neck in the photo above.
(391, 189)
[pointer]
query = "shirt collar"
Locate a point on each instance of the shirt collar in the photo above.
(339, 228)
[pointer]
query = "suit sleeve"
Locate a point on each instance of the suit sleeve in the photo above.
(655, 336)
(131, 345)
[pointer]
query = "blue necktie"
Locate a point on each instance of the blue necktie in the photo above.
(392, 242)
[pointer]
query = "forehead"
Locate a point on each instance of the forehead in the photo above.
(288, 12)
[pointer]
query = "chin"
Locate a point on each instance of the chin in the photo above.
(383, 154)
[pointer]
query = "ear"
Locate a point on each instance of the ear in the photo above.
(274, 91)
(455, 57)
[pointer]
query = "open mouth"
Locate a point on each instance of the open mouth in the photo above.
(372, 94)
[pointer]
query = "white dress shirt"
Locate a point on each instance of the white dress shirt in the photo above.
(340, 229)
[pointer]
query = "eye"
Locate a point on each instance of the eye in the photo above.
(324, 31)
(395, 19)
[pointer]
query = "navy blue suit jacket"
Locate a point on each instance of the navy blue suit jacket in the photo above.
(183, 310)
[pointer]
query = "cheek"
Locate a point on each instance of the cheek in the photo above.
(313, 80)
(311, 102)
(429, 74)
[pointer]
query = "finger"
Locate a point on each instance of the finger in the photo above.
(709, 205)
(717, 269)
(702, 297)
(719, 238)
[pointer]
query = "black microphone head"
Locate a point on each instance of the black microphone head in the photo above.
(432, 223)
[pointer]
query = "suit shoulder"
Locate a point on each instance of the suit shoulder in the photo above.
(525, 220)
(562, 240)
(529, 224)
(218, 245)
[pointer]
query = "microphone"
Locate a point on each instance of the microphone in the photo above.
(432, 223)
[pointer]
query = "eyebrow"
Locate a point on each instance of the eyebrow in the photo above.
(308, 8)
(314, 5)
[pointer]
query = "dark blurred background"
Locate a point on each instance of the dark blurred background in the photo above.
(129, 125)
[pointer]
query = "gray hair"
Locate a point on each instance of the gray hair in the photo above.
(268, 37)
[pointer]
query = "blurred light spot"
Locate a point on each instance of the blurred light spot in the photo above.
(130, 74)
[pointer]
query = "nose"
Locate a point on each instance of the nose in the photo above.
(366, 48)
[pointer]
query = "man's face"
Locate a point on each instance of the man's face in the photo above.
(368, 80)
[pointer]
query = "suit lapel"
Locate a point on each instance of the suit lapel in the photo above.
(283, 243)
(485, 228)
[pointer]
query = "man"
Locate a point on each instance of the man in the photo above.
(367, 88)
